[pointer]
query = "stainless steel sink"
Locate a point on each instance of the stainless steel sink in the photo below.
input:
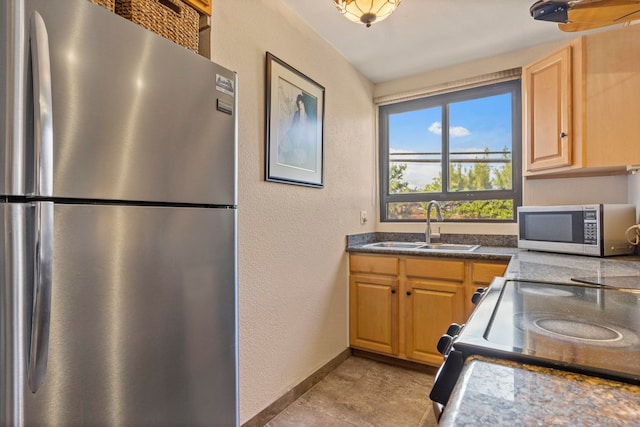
(424, 246)
(396, 245)
(449, 247)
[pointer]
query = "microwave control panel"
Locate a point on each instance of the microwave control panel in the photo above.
(590, 227)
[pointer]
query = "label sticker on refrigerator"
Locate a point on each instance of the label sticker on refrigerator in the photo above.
(225, 85)
(224, 107)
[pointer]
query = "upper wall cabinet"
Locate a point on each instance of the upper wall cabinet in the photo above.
(547, 112)
(202, 6)
(581, 104)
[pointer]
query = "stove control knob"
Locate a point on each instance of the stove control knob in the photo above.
(454, 329)
(477, 296)
(444, 344)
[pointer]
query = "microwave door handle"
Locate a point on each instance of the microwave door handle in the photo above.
(42, 107)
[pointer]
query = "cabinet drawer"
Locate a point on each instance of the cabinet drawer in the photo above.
(373, 264)
(484, 272)
(435, 269)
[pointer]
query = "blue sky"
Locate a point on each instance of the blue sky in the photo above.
(474, 125)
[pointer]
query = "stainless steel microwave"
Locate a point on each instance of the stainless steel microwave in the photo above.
(595, 230)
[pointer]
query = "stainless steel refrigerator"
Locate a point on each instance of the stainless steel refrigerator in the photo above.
(118, 253)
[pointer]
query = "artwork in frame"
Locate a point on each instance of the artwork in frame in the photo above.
(294, 152)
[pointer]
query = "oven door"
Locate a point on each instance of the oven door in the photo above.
(445, 381)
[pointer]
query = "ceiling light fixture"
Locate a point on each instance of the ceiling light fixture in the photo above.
(366, 11)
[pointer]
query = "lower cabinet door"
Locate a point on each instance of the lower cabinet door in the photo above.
(430, 307)
(373, 303)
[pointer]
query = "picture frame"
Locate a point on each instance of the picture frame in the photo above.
(294, 142)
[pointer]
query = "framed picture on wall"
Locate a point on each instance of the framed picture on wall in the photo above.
(294, 151)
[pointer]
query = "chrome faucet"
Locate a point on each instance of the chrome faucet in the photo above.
(427, 234)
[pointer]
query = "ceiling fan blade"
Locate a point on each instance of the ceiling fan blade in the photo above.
(631, 16)
(578, 4)
(581, 26)
(584, 16)
(602, 14)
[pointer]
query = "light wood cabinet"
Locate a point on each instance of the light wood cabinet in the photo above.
(374, 264)
(373, 306)
(580, 107)
(612, 100)
(433, 299)
(202, 6)
(400, 306)
(547, 113)
(373, 303)
(430, 307)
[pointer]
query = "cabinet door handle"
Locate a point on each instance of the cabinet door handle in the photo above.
(393, 291)
(408, 293)
(563, 135)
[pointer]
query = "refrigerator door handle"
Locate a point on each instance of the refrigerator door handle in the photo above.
(43, 276)
(42, 106)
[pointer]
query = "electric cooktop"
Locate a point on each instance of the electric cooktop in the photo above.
(584, 328)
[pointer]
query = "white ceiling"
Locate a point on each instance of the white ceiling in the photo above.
(425, 35)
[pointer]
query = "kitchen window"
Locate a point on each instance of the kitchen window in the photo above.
(460, 148)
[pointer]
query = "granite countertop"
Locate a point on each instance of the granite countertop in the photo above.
(532, 265)
(494, 392)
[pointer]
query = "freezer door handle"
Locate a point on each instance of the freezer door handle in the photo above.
(43, 276)
(42, 107)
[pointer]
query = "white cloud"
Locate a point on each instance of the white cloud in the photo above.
(459, 131)
(454, 131)
(418, 175)
(436, 127)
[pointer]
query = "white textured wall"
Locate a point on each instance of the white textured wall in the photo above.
(293, 269)
(576, 191)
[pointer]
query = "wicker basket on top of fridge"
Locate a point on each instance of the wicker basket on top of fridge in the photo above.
(172, 19)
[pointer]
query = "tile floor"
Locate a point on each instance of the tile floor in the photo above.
(363, 392)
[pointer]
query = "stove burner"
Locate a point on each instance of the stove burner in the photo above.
(578, 330)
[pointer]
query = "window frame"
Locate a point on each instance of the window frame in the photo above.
(443, 100)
